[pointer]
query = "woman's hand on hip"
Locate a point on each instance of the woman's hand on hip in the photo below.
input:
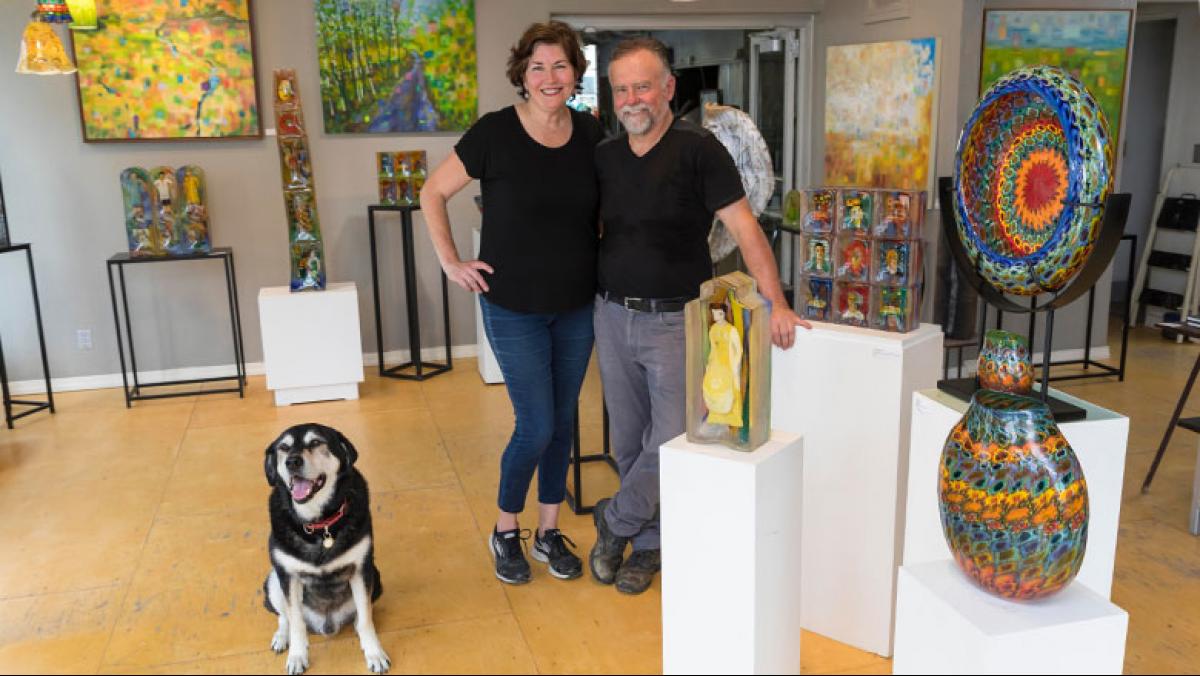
(468, 274)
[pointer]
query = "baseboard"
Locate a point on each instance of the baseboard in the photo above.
(107, 380)
(1099, 353)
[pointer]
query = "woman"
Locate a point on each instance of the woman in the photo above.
(536, 274)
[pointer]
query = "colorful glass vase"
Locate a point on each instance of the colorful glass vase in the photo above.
(1004, 363)
(1032, 171)
(1012, 497)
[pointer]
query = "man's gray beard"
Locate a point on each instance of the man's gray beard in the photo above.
(637, 131)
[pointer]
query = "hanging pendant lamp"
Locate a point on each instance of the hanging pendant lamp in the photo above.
(42, 51)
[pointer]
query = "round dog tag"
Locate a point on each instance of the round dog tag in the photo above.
(328, 542)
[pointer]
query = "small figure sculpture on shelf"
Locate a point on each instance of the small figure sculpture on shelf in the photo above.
(158, 221)
(893, 263)
(819, 217)
(299, 197)
(793, 203)
(401, 176)
(818, 257)
(855, 257)
(728, 351)
(856, 212)
(893, 309)
(853, 300)
(897, 217)
(819, 293)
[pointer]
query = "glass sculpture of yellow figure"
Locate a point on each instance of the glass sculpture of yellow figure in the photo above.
(723, 373)
(191, 188)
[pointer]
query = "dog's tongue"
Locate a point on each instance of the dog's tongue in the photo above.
(301, 488)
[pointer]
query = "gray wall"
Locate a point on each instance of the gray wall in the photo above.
(63, 195)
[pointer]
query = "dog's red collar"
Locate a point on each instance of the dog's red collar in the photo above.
(324, 524)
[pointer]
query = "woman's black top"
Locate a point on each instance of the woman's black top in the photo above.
(540, 207)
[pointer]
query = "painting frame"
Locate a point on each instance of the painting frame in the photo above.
(258, 132)
(930, 132)
(1114, 128)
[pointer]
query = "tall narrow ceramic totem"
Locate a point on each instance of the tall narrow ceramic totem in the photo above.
(299, 197)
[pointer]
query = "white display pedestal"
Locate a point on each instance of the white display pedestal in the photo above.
(947, 625)
(848, 392)
(731, 557)
(1098, 441)
(1194, 516)
(489, 368)
(312, 348)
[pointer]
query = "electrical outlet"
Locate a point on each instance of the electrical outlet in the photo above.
(83, 339)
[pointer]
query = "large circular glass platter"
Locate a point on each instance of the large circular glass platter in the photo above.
(1032, 171)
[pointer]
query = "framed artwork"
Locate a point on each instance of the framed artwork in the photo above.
(881, 113)
(1093, 45)
(158, 70)
(391, 67)
(4, 241)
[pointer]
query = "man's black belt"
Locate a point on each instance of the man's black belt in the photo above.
(647, 304)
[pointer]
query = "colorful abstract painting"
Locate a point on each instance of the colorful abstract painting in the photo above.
(1091, 45)
(880, 103)
(168, 69)
(390, 66)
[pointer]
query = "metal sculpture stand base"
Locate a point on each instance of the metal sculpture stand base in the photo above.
(31, 406)
(1112, 227)
(421, 369)
(578, 459)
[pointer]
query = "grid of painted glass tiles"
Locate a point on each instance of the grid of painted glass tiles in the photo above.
(860, 256)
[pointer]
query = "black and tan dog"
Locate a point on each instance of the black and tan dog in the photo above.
(323, 573)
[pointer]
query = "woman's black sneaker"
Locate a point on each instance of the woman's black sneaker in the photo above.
(551, 548)
(506, 546)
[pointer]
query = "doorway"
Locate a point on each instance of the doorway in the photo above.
(1142, 142)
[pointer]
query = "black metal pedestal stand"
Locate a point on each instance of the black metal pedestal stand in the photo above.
(421, 369)
(1112, 226)
(9, 402)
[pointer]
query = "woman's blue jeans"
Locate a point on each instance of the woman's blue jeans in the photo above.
(543, 358)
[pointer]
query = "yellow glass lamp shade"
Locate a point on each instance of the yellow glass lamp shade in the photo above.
(83, 15)
(42, 52)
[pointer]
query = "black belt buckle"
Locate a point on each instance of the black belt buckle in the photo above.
(635, 304)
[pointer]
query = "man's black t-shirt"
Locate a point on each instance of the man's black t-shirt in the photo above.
(539, 211)
(657, 210)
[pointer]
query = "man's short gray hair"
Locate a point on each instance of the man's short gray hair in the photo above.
(643, 42)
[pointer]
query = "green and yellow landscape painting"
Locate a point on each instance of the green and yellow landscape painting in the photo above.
(1092, 45)
(168, 69)
(392, 66)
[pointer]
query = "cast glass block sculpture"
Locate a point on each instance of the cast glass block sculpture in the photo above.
(728, 356)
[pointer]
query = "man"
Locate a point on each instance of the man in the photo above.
(660, 186)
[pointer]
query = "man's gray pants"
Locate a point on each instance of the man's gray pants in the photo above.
(642, 368)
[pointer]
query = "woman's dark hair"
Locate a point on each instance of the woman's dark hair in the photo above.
(549, 33)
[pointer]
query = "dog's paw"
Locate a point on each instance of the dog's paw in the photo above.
(279, 642)
(297, 662)
(377, 660)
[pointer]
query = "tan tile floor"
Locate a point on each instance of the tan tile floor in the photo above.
(135, 540)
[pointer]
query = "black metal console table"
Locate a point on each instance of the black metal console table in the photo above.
(9, 402)
(421, 369)
(119, 261)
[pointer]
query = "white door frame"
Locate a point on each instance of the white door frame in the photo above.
(798, 135)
